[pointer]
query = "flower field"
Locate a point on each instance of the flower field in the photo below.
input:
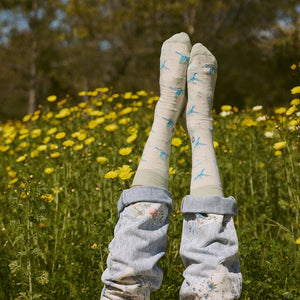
(64, 167)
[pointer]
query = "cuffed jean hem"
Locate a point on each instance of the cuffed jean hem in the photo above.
(209, 205)
(145, 193)
(209, 249)
(140, 240)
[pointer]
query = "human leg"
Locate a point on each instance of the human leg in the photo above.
(209, 246)
(140, 234)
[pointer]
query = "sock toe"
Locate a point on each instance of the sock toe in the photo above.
(199, 49)
(181, 37)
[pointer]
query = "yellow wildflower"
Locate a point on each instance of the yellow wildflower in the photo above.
(297, 241)
(68, 143)
(226, 107)
(111, 115)
(82, 93)
(82, 104)
(184, 148)
(172, 171)
(142, 93)
(101, 159)
(291, 110)
(94, 246)
(125, 111)
(36, 133)
(92, 124)
(277, 153)
(135, 97)
(279, 145)
(125, 151)
(62, 102)
(119, 105)
(180, 161)
(295, 90)
(52, 131)
(115, 96)
(176, 141)
(34, 153)
(261, 165)
(124, 121)
(47, 198)
(51, 98)
(65, 112)
(111, 127)
(48, 116)
(111, 174)
(131, 138)
(98, 103)
(53, 146)
(55, 155)
(21, 158)
(127, 95)
(216, 144)
(100, 121)
(4, 148)
(13, 181)
(248, 122)
(49, 170)
(293, 66)
(78, 147)
(280, 110)
(12, 174)
(60, 135)
(35, 117)
(295, 101)
(46, 140)
(26, 118)
(82, 136)
(89, 140)
(125, 172)
(41, 148)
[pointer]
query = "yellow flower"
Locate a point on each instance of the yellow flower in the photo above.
(98, 103)
(26, 118)
(53, 146)
(35, 117)
(36, 133)
(46, 140)
(111, 127)
(125, 111)
(51, 98)
(176, 141)
(172, 171)
(291, 110)
(261, 165)
(82, 93)
(47, 198)
(41, 148)
(94, 246)
(125, 151)
(248, 122)
(293, 66)
(279, 145)
(100, 121)
(180, 161)
(82, 136)
(277, 153)
(297, 241)
(49, 115)
(78, 147)
(115, 96)
(280, 110)
(62, 102)
(92, 124)
(89, 140)
(124, 121)
(12, 174)
(49, 170)
(60, 135)
(55, 155)
(82, 104)
(52, 131)
(127, 95)
(125, 172)
(131, 138)
(65, 112)
(184, 148)
(101, 159)
(295, 90)
(142, 93)
(111, 174)
(4, 148)
(226, 107)
(295, 101)
(111, 115)
(34, 153)
(216, 144)
(13, 181)
(21, 158)
(68, 143)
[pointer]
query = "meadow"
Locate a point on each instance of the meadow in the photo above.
(64, 167)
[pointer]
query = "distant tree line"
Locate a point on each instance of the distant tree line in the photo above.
(65, 46)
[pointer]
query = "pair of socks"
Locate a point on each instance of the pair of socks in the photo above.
(181, 66)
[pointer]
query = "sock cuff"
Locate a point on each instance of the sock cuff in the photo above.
(150, 177)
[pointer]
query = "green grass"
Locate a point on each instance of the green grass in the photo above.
(46, 243)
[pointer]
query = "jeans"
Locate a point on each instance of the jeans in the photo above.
(209, 246)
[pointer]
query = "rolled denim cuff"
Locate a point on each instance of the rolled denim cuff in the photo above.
(145, 193)
(209, 205)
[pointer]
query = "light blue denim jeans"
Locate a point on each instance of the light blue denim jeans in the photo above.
(209, 246)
